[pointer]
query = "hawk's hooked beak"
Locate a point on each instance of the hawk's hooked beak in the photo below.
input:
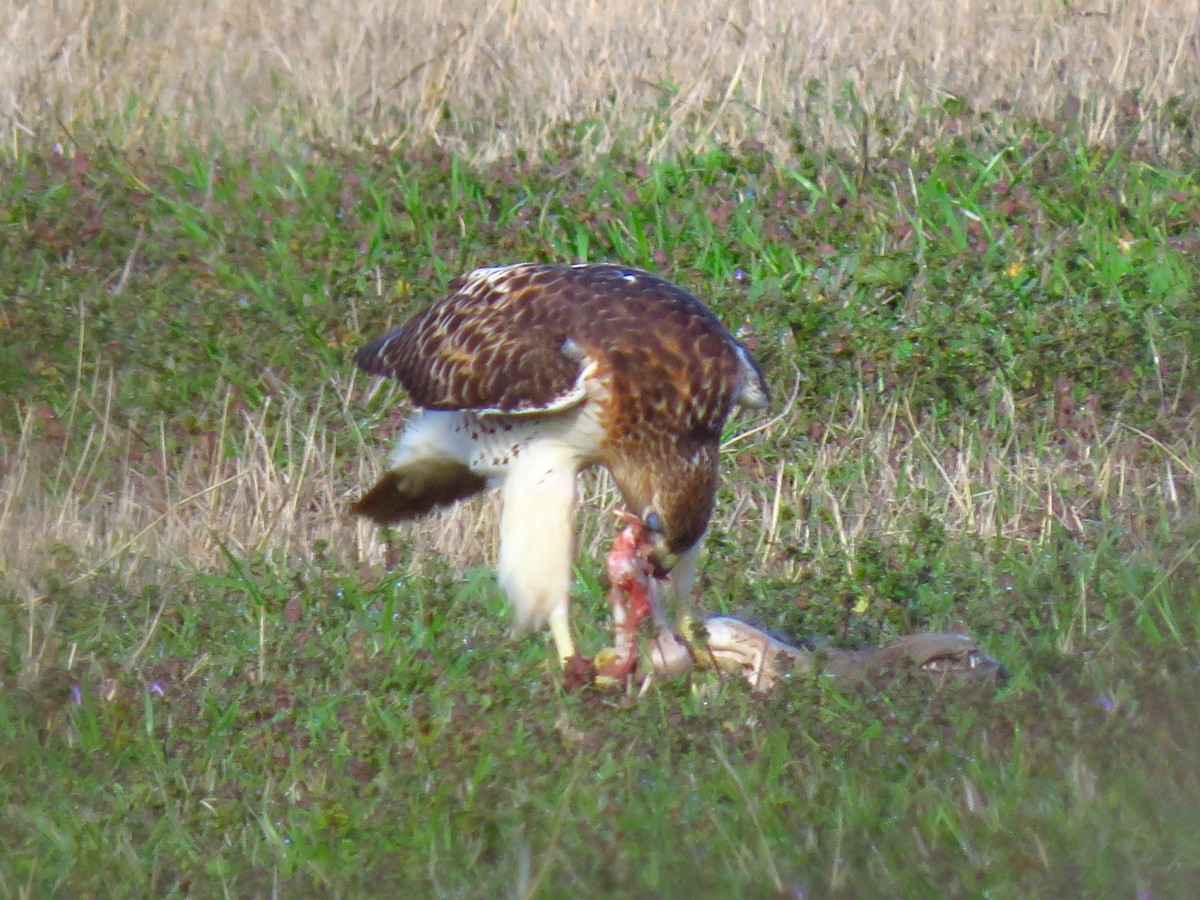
(654, 546)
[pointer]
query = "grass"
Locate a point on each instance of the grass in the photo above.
(969, 270)
(489, 80)
(984, 357)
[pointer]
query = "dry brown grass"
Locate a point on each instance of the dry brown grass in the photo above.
(94, 501)
(99, 500)
(488, 77)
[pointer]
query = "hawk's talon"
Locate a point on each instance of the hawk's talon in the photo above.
(614, 664)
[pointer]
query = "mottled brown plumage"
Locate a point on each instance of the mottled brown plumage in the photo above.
(500, 340)
(604, 364)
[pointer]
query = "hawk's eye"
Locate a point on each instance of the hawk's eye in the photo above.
(653, 522)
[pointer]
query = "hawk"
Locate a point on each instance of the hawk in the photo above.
(523, 376)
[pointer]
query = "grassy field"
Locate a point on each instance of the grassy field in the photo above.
(487, 78)
(981, 323)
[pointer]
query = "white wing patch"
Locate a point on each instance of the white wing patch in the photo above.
(494, 278)
(490, 444)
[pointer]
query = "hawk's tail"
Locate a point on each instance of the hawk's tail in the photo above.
(417, 488)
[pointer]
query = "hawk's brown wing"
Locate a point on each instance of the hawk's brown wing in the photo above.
(525, 339)
(497, 342)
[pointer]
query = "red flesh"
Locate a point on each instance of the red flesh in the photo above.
(632, 578)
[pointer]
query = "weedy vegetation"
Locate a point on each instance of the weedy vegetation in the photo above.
(978, 305)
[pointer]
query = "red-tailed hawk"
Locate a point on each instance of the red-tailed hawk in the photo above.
(523, 376)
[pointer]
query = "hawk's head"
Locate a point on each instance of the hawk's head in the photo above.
(673, 496)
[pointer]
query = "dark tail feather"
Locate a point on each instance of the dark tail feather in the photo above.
(416, 489)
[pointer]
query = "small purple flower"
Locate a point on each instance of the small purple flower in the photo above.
(1106, 702)
(157, 688)
(76, 693)
(739, 274)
